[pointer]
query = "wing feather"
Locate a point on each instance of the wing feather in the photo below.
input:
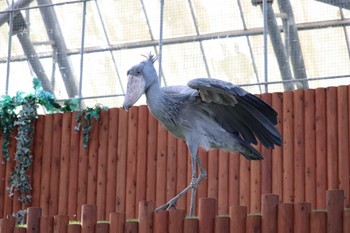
(238, 111)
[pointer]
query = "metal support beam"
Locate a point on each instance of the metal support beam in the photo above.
(278, 47)
(296, 55)
(20, 29)
(54, 32)
(4, 16)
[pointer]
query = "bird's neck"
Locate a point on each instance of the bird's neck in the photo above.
(156, 98)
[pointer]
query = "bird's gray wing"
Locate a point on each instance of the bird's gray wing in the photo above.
(238, 111)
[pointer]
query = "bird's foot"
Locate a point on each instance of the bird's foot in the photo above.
(170, 204)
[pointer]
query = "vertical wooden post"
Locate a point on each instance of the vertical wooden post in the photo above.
(176, 220)
(335, 208)
(88, 218)
(102, 227)
(318, 222)
(207, 213)
(302, 217)
(146, 210)
(269, 213)
(222, 224)
(116, 222)
(73, 228)
(161, 221)
(346, 225)
(33, 219)
(253, 224)
(46, 224)
(132, 227)
(191, 225)
(60, 223)
(7, 225)
(286, 217)
(238, 216)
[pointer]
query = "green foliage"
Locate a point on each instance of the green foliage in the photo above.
(84, 121)
(21, 111)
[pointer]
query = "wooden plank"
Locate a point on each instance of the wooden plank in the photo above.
(92, 162)
(255, 185)
(33, 219)
(310, 146)
(288, 146)
(161, 221)
(277, 153)
(176, 221)
(37, 161)
(2, 178)
(130, 205)
(346, 221)
(302, 217)
(171, 166)
(46, 224)
(102, 227)
(266, 165)
(181, 172)
(285, 218)
(318, 222)
(146, 216)
(343, 141)
(269, 209)
(161, 165)
(7, 225)
(202, 190)
(335, 208)
(223, 174)
(131, 227)
(191, 225)
(46, 165)
(60, 223)
(321, 148)
(116, 222)
(73, 169)
(102, 165)
(207, 212)
(253, 224)
(234, 179)
(73, 228)
(213, 173)
(141, 176)
(112, 161)
(332, 138)
(88, 218)
(64, 164)
(83, 175)
(151, 158)
(55, 163)
(121, 164)
(222, 224)
(238, 221)
(299, 146)
(244, 182)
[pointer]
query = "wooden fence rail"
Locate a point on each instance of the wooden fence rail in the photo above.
(276, 217)
(130, 158)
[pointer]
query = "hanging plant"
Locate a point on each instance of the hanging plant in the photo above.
(83, 119)
(21, 111)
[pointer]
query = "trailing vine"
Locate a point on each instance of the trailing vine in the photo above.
(20, 112)
(83, 119)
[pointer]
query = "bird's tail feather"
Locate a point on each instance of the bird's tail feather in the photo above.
(249, 152)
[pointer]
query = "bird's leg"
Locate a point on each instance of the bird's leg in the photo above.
(193, 185)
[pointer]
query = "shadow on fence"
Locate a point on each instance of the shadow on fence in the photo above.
(275, 217)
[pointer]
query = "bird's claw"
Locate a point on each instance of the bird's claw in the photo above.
(167, 206)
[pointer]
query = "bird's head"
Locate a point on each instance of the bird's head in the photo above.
(140, 77)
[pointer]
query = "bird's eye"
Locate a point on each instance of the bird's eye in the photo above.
(138, 72)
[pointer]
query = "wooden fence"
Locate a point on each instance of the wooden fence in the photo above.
(275, 218)
(131, 158)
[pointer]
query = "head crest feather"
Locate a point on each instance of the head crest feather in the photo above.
(150, 57)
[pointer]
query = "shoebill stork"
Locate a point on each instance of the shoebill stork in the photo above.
(207, 113)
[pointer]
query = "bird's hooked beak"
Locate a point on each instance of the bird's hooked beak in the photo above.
(135, 88)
